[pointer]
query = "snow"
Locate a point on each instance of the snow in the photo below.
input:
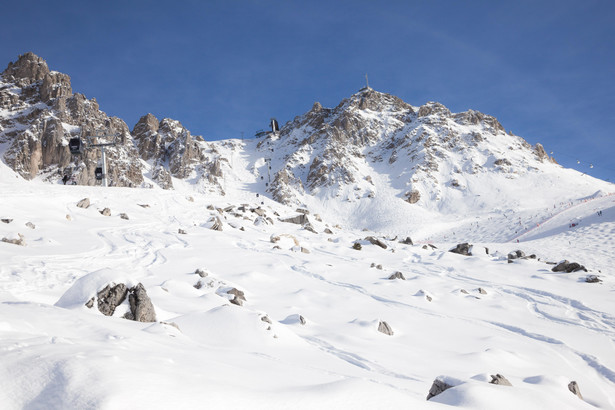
(538, 328)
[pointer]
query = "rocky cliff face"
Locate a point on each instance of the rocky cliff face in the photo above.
(171, 150)
(39, 114)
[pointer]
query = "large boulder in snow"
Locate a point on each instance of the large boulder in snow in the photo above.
(568, 267)
(463, 249)
(437, 387)
(141, 307)
(110, 298)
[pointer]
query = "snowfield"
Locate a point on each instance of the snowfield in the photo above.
(307, 334)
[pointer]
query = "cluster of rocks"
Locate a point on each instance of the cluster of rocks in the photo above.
(238, 296)
(19, 240)
(108, 299)
(518, 254)
(441, 384)
(85, 204)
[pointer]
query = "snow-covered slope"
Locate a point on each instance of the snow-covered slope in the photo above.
(307, 334)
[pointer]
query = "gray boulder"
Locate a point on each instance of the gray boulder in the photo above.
(574, 388)
(357, 246)
(141, 307)
(568, 267)
(593, 279)
(105, 212)
(397, 275)
(376, 241)
(463, 249)
(515, 255)
(238, 298)
(383, 327)
(6, 220)
(110, 298)
(30, 225)
(499, 379)
(437, 387)
(407, 241)
(84, 203)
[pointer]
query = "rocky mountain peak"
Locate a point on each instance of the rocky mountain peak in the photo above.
(41, 114)
(29, 68)
(370, 99)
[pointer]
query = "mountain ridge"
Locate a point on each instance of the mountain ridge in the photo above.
(373, 160)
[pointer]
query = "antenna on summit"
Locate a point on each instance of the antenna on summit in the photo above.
(366, 81)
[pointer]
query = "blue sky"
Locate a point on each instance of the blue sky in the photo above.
(545, 69)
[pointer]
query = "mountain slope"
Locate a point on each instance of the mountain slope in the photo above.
(320, 346)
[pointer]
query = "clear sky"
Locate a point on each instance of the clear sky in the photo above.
(545, 69)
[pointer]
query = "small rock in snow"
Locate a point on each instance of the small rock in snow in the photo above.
(383, 327)
(499, 379)
(574, 388)
(84, 203)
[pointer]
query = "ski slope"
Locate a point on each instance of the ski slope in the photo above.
(461, 317)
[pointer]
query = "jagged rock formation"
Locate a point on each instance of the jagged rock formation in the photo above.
(172, 151)
(437, 387)
(112, 296)
(39, 114)
(327, 150)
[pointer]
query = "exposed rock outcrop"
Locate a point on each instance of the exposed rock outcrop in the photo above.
(437, 387)
(574, 388)
(568, 267)
(45, 114)
(462, 249)
(112, 296)
(141, 307)
(397, 275)
(499, 379)
(383, 327)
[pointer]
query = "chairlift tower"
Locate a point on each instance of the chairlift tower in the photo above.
(102, 149)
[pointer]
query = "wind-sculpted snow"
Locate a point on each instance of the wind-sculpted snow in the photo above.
(306, 334)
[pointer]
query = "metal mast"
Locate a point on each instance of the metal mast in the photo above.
(102, 149)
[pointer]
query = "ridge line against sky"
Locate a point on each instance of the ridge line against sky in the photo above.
(545, 69)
